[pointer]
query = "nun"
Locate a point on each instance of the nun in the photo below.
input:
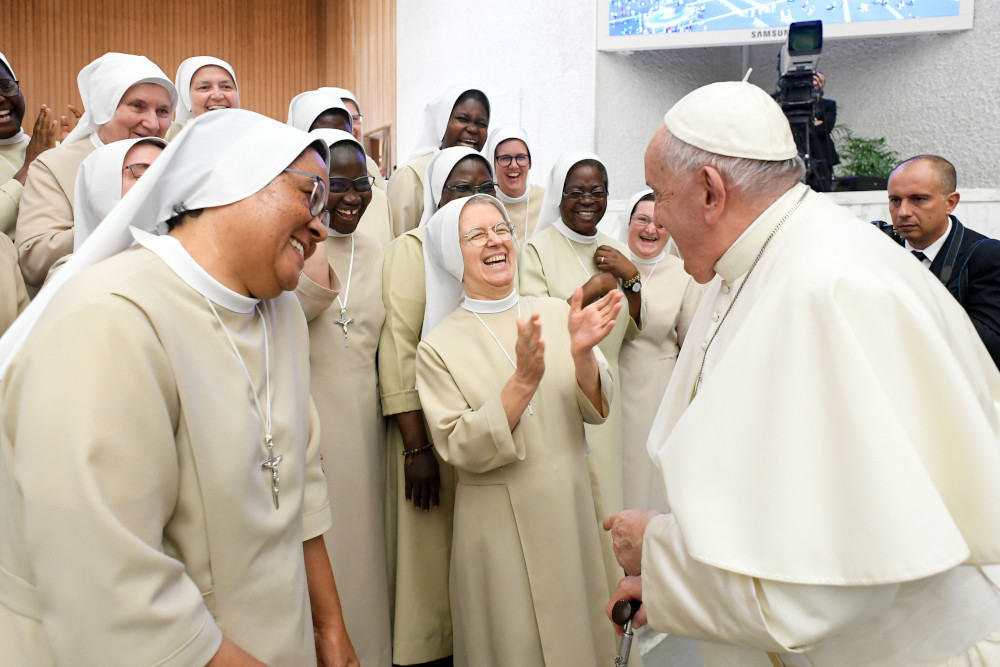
(341, 295)
(567, 251)
(160, 477)
(324, 109)
(354, 107)
(459, 117)
(647, 361)
(420, 486)
(124, 97)
(508, 149)
(507, 383)
(203, 84)
(105, 176)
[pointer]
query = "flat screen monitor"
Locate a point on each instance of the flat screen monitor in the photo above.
(628, 25)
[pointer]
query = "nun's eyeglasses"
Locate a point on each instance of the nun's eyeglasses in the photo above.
(318, 196)
(487, 188)
(341, 185)
(580, 194)
(137, 169)
(478, 236)
(521, 159)
(9, 87)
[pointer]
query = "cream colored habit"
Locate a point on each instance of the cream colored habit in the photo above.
(13, 297)
(524, 216)
(530, 567)
(833, 480)
(345, 389)
(11, 160)
(376, 223)
(419, 542)
(551, 266)
(645, 365)
(406, 193)
(44, 231)
(119, 527)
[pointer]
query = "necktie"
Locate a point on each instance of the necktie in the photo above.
(919, 255)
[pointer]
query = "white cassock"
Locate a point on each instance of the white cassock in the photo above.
(833, 482)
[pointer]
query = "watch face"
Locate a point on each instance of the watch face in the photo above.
(636, 286)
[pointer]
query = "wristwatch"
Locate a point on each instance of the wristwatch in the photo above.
(633, 283)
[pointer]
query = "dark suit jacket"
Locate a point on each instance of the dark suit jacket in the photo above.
(974, 280)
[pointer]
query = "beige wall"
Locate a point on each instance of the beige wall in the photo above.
(278, 48)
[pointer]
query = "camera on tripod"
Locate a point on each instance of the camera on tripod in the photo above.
(800, 99)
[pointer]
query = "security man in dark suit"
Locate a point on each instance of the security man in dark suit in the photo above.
(921, 198)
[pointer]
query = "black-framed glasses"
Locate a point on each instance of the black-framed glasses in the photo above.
(340, 185)
(478, 236)
(137, 169)
(580, 194)
(487, 188)
(522, 160)
(9, 87)
(318, 196)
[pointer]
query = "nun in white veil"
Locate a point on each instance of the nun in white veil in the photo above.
(507, 149)
(103, 179)
(647, 361)
(454, 173)
(349, 99)
(507, 383)
(123, 96)
(153, 466)
(460, 116)
(319, 109)
(216, 88)
(567, 251)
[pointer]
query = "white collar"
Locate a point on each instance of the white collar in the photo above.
(497, 306)
(191, 272)
(574, 236)
(654, 260)
(16, 139)
(507, 199)
(933, 249)
(330, 231)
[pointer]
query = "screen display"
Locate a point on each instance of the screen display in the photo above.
(660, 24)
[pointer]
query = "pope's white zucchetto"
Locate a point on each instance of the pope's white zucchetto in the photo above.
(733, 118)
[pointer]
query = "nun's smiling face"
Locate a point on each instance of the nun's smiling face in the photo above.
(512, 177)
(11, 108)
(347, 163)
(488, 257)
(212, 87)
(137, 160)
(470, 172)
(645, 238)
(143, 111)
(467, 126)
(585, 198)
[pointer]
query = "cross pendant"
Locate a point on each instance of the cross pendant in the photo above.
(344, 321)
(271, 463)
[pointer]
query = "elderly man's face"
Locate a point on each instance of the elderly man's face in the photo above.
(675, 209)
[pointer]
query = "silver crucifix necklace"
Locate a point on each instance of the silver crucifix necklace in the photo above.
(344, 319)
(271, 462)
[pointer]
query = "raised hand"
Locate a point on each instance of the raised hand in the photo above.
(65, 125)
(530, 351)
(589, 325)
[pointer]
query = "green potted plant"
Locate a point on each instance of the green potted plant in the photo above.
(865, 164)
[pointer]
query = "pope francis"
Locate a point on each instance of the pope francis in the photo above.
(829, 438)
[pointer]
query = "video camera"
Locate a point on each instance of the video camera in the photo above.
(799, 99)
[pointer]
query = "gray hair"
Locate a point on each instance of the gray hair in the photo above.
(753, 178)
